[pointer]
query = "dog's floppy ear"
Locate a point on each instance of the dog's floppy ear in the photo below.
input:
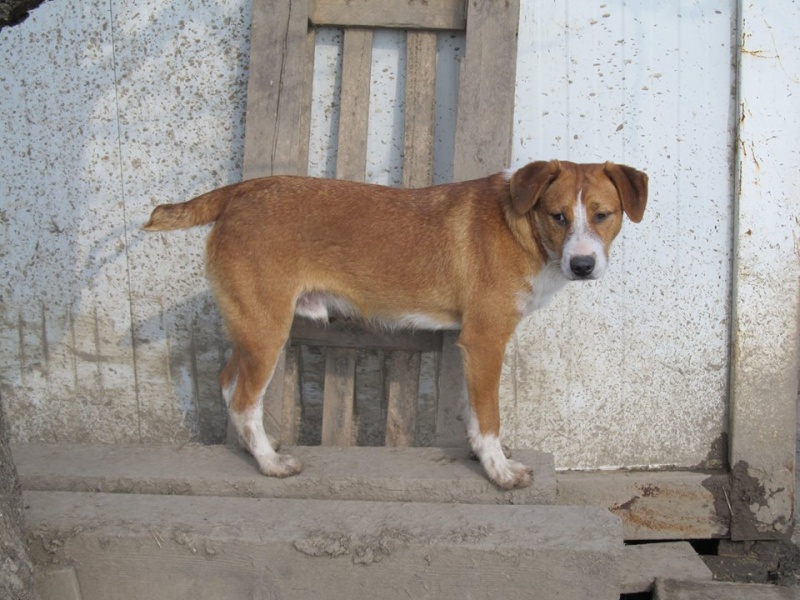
(632, 189)
(530, 182)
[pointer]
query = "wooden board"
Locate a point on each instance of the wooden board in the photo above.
(276, 99)
(351, 159)
(404, 14)
(452, 395)
(402, 385)
(484, 118)
(420, 109)
(354, 334)
(337, 407)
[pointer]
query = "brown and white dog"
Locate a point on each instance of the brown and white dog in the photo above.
(476, 256)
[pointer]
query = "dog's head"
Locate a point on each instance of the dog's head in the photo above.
(576, 210)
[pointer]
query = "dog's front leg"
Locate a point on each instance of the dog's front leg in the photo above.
(483, 361)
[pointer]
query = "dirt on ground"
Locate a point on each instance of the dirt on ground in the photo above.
(775, 562)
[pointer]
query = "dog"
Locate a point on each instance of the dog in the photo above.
(476, 256)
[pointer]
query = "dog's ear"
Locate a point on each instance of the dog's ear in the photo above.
(530, 182)
(632, 189)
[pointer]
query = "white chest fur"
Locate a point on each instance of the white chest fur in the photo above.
(542, 289)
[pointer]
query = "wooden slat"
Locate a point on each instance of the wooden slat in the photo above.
(307, 79)
(402, 384)
(337, 407)
(351, 157)
(275, 94)
(351, 160)
(291, 380)
(452, 395)
(420, 109)
(404, 14)
(484, 117)
(353, 334)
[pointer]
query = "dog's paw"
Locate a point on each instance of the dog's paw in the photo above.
(512, 475)
(280, 465)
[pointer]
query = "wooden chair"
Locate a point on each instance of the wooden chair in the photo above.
(277, 134)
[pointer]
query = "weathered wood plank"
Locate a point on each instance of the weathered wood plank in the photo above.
(304, 128)
(351, 160)
(275, 91)
(291, 380)
(660, 505)
(337, 407)
(402, 385)
(484, 117)
(403, 14)
(452, 395)
(353, 334)
(420, 108)
(351, 157)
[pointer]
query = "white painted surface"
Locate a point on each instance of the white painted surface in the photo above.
(107, 334)
(632, 370)
(767, 266)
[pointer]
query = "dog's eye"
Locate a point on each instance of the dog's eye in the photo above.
(600, 217)
(559, 218)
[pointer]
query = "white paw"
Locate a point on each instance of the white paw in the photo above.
(511, 475)
(279, 465)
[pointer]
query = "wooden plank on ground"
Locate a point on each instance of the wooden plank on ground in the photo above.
(420, 109)
(404, 14)
(338, 396)
(275, 89)
(484, 117)
(655, 505)
(402, 386)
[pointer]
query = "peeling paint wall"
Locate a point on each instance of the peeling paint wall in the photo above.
(110, 335)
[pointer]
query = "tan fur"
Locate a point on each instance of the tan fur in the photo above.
(460, 253)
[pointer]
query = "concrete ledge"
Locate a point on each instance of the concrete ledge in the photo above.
(152, 547)
(56, 582)
(373, 474)
(671, 589)
(642, 564)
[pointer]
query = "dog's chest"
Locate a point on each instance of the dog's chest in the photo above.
(541, 289)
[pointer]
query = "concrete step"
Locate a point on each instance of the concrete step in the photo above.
(56, 582)
(389, 474)
(642, 564)
(672, 589)
(158, 547)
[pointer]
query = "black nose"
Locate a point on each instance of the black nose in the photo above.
(582, 266)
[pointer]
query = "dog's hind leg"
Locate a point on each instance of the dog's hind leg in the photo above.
(244, 381)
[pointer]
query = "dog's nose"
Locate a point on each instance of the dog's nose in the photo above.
(582, 266)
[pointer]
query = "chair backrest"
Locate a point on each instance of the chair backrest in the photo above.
(278, 127)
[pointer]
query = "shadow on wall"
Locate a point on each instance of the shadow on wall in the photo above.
(110, 335)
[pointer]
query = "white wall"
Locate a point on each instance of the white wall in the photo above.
(110, 335)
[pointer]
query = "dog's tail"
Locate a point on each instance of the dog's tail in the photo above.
(198, 211)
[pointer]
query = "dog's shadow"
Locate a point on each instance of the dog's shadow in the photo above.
(191, 334)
